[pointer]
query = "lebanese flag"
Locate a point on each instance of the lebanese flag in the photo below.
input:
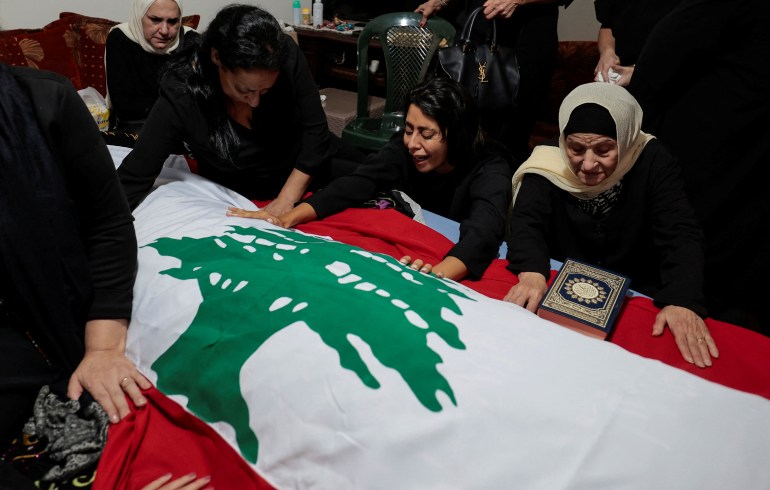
(288, 359)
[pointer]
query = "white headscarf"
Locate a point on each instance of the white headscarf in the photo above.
(553, 164)
(134, 31)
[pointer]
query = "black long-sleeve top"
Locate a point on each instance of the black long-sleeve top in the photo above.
(478, 197)
(101, 210)
(651, 234)
(133, 76)
(289, 130)
(631, 22)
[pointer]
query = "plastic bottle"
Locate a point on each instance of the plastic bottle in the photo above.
(318, 14)
(306, 18)
(297, 10)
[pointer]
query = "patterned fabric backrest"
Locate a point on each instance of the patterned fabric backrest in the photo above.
(72, 45)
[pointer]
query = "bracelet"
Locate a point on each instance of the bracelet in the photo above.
(443, 3)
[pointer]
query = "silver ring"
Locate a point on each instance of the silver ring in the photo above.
(122, 381)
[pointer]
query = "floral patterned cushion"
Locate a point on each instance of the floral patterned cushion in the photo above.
(72, 45)
(45, 49)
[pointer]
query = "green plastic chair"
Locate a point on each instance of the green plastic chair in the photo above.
(408, 50)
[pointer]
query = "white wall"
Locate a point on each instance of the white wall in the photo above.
(575, 23)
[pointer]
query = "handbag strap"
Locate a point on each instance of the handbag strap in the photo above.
(465, 36)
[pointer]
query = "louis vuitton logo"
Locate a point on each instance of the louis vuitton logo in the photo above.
(483, 72)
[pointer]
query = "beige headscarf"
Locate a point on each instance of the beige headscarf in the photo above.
(553, 164)
(134, 31)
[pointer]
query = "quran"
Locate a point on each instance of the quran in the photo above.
(585, 298)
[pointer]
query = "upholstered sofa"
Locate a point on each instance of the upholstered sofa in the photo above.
(574, 66)
(72, 45)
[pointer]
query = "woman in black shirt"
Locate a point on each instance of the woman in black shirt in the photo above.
(441, 161)
(245, 105)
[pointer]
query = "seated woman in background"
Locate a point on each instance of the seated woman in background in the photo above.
(441, 161)
(611, 195)
(135, 54)
(245, 105)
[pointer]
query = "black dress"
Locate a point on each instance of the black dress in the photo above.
(477, 195)
(650, 234)
(705, 90)
(289, 130)
(84, 271)
(133, 78)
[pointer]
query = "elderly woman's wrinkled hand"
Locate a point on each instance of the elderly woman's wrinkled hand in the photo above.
(691, 334)
(263, 215)
(529, 291)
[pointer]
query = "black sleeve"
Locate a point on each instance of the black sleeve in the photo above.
(315, 138)
(104, 217)
(528, 227)
(483, 228)
(678, 238)
(676, 42)
(162, 135)
(131, 96)
(378, 171)
(603, 12)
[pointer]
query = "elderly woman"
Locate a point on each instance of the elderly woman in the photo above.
(441, 161)
(611, 195)
(135, 54)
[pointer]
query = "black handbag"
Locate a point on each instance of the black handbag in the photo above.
(489, 72)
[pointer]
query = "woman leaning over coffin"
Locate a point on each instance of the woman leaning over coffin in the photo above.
(245, 105)
(440, 160)
(611, 195)
(135, 54)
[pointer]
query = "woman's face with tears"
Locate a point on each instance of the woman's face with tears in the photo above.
(426, 142)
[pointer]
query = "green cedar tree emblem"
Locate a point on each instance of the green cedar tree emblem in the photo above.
(255, 282)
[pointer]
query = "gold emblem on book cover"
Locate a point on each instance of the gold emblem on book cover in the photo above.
(585, 290)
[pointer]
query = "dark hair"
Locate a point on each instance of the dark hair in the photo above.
(454, 110)
(245, 37)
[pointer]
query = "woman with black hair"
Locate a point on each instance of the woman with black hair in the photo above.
(442, 161)
(245, 105)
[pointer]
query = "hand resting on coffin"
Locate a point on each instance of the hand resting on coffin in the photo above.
(450, 268)
(302, 213)
(529, 291)
(106, 372)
